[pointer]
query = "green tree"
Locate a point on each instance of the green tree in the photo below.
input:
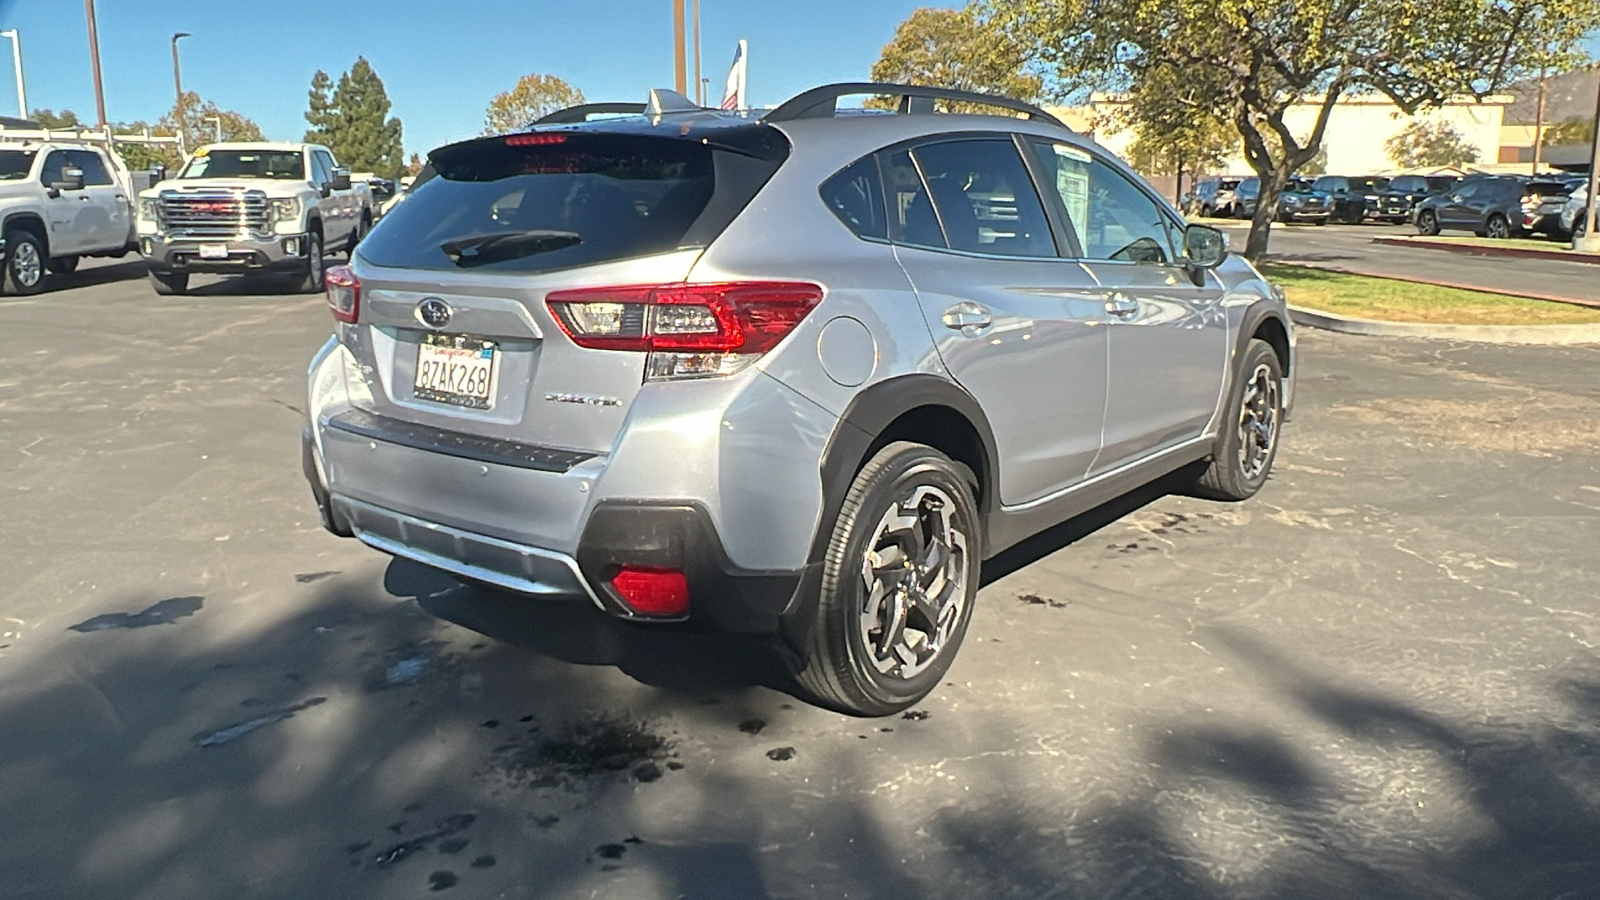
(1571, 130)
(1430, 144)
(198, 127)
(139, 157)
(354, 121)
(533, 97)
(1174, 131)
(957, 48)
(1258, 59)
(414, 165)
(49, 119)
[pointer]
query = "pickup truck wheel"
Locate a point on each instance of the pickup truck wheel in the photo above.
(168, 283)
(25, 264)
(1244, 450)
(898, 584)
(310, 282)
(64, 265)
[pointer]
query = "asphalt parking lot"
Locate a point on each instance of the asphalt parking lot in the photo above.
(1377, 679)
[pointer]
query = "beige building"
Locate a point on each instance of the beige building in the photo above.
(1354, 140)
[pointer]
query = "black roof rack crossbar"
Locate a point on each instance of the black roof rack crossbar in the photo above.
(575, 115)
(822, 102)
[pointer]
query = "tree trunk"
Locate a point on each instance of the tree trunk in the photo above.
(1272, 183)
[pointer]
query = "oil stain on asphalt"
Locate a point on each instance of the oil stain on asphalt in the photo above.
(600, 745)
(166, 612)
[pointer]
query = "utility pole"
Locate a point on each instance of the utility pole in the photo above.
(1590, 241)
(94, 60)
(678, 67)
(177, 81)
(16, 54)
(699, 89)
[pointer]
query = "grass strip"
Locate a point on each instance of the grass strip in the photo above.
(1387, 300)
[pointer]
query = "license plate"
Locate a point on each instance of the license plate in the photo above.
(213, 251)
(460, 371)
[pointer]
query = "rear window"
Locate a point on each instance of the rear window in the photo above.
(552, 200)
(1549, 188)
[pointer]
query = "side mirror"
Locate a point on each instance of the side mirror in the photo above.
(71, 180)
(1204, 246)
(158, 173)
(341, 179)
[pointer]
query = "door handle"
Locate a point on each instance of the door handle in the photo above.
(1122, 306)
(966, 314)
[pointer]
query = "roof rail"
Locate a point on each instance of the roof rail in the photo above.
(574, 115)
(822, 102)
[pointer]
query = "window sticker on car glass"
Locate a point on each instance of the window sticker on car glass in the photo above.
(1072, 183)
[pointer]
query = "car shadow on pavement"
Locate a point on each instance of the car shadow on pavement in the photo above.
(572, 630)
(89, 276)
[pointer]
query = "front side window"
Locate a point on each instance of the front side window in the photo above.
(984, 198)
(287, 165)
(15, 164)
(94, 168)
(855, 195)
(1110, 216)
(50, 172)
(324, 162)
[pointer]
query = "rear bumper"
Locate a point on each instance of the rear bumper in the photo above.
(281, 253)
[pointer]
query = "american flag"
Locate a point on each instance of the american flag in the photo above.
(733, 96)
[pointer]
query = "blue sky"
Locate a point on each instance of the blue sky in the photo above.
(441, 62)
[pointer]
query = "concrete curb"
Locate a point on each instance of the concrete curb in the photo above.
(1592, 259)
(1556, 335)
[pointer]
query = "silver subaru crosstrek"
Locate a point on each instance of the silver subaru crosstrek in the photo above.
(797, 372)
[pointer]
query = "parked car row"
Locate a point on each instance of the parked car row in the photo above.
(1497, 206)
(255, 208)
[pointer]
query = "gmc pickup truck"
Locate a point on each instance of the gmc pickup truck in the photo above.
(251, 209)
(59, 201)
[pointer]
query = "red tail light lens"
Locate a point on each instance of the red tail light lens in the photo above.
(691, 330)
(344, 293)
(535, 140)
(653, 592)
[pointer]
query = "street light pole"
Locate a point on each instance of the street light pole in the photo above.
(16, 55)
(699, 95)
(177, 82)
(94, 60)
(681, 78)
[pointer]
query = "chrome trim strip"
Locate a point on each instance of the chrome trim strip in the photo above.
(468, 570)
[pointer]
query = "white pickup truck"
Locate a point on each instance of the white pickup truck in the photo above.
(59, 201)
(248, 209)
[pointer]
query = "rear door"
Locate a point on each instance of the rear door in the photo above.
(464, 267)
(1168, 336)
(1016, 325)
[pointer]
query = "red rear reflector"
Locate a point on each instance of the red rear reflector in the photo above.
(653, 592)
(535, 140)
(344, 293)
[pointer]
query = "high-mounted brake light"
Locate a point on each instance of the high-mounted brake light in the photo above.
(690, 330)
(535, 140)
(344, 293)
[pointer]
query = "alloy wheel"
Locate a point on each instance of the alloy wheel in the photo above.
(1498, 228)
(26, 264)
(914, 578)
(1258, 422)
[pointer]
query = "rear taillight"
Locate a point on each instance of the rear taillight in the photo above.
(689, 330)
(344, 293)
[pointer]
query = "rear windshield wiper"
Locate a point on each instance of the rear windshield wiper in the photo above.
(504, 245)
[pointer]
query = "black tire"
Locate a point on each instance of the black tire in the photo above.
(1320, 220)
(25, 262)
(1580, 225)
(362, 227)
(310, 280)
(1497, 227)
(64, 265)
(169, 283)
(845, 667)
(1233, 474)
(1427, 222)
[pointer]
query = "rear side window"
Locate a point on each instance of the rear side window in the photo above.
(985, 199)
(855, 195)
(543, 201)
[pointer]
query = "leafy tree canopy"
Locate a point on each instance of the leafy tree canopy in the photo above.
(1430, 144)
(354, 122)
(50, 119)
(957, 48)
(1258, 58)
(534, 96)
